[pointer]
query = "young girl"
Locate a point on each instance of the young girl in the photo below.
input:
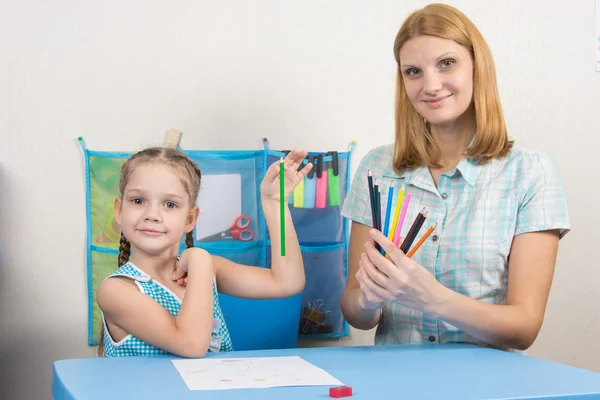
(483, 277)
(146, 306)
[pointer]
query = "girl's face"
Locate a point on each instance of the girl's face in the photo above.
(438, 77)
(155, 210)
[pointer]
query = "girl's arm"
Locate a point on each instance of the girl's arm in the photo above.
(286, 276)
(188, 334)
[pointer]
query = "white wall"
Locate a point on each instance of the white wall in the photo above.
(310, 74)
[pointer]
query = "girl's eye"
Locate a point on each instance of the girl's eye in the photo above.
(137, 202)
(170, 204)
(447, 63)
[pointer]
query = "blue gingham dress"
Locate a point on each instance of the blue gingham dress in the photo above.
(479, 210)
(133, 346)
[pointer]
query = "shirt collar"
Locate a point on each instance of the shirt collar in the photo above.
(469, 169)
(421, 177)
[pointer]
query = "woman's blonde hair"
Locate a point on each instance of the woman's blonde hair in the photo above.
(415, 145)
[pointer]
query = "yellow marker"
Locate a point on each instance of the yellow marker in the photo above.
(396, 213)
(299, 195)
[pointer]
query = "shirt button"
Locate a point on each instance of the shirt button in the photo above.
(432, 338)
(435, 238)
(444, 196)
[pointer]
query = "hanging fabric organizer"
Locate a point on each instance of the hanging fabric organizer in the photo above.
(230, 188)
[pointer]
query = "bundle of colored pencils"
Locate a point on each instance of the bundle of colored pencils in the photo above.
(394, 223)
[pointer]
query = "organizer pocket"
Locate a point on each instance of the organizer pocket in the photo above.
(104, 173)
(325, 270)
(104, 263)
(230, 188)
(315, 204)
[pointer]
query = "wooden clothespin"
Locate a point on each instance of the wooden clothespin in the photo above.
(172, 138)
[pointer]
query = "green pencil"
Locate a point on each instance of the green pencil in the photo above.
(282, 205)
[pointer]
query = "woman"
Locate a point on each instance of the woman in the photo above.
(498, 208)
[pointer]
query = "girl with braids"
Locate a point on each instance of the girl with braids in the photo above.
(157, 303)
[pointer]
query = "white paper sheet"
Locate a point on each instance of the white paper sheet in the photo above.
(250, 373)
(220, 203)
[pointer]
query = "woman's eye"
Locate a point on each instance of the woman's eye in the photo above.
(170, 204)
(411, 72)
(137, 202)
(447, 63)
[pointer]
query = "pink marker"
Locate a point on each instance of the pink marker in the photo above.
(321, 195)
(402, 215)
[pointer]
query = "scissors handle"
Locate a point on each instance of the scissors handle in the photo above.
(244, 235)
(242, 221)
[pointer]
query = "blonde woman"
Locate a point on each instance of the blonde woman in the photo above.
(484, 275)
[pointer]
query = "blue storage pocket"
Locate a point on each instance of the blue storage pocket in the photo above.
(229, 189)
(325, 270)
(316, 210)
(106, 262)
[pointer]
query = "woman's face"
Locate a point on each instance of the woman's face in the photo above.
(438, 77)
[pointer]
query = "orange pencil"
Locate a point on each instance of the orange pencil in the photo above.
(421, 241)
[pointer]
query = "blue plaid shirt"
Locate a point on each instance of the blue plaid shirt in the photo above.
(479, 209)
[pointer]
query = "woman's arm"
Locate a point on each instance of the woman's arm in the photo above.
(359, 313)
(516, 324)
(286, 276)
(188, 334)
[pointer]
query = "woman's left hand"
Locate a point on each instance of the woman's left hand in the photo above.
(398, 278)
(269, 187)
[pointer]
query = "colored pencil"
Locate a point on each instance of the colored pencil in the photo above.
(282, 204)
(405, 205)
(413, 231)
(372, 200)
(394, 221)
(422, 240)
(388, 209)
(377, 194)
(373, 205)
(377, 189)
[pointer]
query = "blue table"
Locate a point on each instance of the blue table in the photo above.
(374, 372)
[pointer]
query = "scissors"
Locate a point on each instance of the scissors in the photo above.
(238, 230)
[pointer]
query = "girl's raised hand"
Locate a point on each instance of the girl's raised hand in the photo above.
(269, 187)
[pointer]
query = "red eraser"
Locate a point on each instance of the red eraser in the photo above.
(340, 391)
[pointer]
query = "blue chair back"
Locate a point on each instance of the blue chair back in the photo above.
(262, 324)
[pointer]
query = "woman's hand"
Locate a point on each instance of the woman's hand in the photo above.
(398, 279)
(269, 188)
